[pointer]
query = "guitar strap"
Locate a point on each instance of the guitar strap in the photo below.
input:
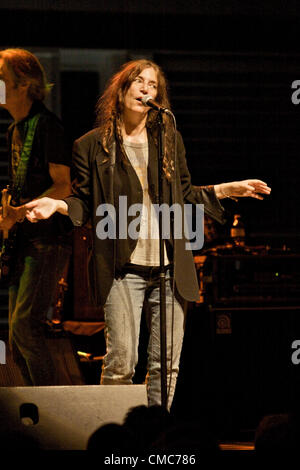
(18, 183)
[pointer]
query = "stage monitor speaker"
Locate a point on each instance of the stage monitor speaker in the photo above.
(62, 417)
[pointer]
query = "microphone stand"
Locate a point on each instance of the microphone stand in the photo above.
(162, 272)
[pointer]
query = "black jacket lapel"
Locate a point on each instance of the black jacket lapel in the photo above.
(105, 165)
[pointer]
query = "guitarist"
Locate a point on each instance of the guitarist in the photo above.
(39, 165)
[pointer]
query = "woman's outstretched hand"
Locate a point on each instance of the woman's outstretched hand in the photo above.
(43, 208)
(246, 188)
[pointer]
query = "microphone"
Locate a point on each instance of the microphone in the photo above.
(147, 100)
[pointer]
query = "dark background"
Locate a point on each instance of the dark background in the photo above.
(230, 69)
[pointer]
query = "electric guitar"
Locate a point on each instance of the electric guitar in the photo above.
(7, 238)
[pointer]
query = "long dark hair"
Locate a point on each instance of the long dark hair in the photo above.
(109, 108)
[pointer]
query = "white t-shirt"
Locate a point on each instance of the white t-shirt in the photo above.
(146, 252)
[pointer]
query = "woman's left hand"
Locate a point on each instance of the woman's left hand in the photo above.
(245, 188)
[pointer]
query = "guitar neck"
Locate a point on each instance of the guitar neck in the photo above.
(5, 201)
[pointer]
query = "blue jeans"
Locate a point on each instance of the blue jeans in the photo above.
(37, 271)
(129, 294)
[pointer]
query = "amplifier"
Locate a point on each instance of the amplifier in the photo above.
(253, 370)
(249, 278)
(252, 298)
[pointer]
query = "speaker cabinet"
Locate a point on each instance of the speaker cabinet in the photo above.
(236, 366)
(63, 417)
(253, 369)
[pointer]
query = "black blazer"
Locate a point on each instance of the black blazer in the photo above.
(95, 185)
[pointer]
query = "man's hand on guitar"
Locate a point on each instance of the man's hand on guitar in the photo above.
(14, 215)
(40, 209)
